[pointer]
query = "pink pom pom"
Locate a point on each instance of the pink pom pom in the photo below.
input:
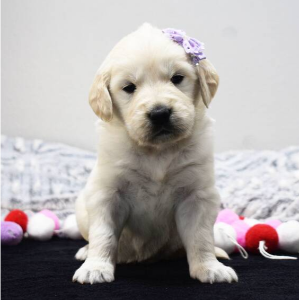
(48, 213)
(273, 223)
(241, 229)
(227, 216)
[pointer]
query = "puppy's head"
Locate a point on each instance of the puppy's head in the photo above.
(149, 83)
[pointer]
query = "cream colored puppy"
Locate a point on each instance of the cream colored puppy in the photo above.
(152, 192)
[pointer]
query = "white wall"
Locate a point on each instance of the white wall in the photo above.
(52, 49)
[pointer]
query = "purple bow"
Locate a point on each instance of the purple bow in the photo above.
(191, 46)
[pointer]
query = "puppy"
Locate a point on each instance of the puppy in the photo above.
(152, 192)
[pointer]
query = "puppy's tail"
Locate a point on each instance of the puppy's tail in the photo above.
(220, 253)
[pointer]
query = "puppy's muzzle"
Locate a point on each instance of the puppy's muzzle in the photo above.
(160, 119)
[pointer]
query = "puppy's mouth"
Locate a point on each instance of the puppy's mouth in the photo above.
(162, 132)
(165, 133)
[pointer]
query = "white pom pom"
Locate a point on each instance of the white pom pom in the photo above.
(252, 222)
(222, 231)
(70, 228)
(40, 227)
(288, 234)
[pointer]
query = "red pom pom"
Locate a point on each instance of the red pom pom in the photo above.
(241, 217)
(18, 217)
(261, 232)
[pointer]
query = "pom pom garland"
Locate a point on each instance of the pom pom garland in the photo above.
(256, 236)
(231, 232)
(241, 228)
(48, 213)
(261, 232)
(225, 238)
(262, 237)
(70, 228)
(222, 234)
(227, 216)
(289, 236)
(19, 217)
(251, 222)
(40, 227)
(273, 223)
(11, 233)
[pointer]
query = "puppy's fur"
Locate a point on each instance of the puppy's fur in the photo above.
(151, 195)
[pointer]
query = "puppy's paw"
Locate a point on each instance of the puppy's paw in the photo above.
(94, 271)
(82, 253)
(213, 271)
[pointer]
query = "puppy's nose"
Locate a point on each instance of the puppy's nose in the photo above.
(160, 115)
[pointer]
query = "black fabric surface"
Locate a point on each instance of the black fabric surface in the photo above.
(44, 270)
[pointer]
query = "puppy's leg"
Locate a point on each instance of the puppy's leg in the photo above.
(195, 217)
(82, 216)
(107, 215)
(82, 222)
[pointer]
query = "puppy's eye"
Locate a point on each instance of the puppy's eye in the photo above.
(177, 79)
(129, 89)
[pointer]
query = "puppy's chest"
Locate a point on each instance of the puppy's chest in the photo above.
(156, 183)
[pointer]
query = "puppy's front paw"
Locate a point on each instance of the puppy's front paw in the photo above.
(213, 271)
(82, 253)
(94, 271)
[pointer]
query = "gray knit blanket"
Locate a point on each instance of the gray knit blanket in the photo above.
(38, 175)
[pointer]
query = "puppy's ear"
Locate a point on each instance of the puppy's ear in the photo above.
(99, 97)
(208, 79)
